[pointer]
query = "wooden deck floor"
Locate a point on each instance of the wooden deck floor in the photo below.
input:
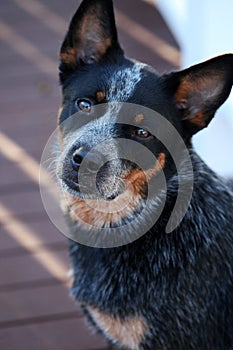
(36, 312)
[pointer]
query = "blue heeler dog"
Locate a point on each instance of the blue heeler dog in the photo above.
(169, 288)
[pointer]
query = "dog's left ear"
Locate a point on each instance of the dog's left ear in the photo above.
(200, 90)
(91, 33)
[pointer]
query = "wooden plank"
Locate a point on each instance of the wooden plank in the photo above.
(26, 268)
(18, 305)
(70, 334)
(33, 144)
(44, 229)
(14, 187)
(38, 248)
(37, 102)
(23, 203)
(24, 285)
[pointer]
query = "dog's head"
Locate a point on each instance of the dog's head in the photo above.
(111, 99)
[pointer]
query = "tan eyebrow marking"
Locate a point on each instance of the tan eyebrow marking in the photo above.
(139, 118)
(100, 96)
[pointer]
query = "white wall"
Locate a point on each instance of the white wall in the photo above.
(204, 28)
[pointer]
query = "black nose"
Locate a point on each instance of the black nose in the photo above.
(77, 157)
(92, 160)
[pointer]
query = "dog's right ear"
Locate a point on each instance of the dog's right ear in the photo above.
(91, 34)
(200, 90)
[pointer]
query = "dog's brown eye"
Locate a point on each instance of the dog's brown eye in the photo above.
(84, 105)
(142, 133)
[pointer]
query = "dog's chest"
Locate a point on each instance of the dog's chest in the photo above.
(129, 332)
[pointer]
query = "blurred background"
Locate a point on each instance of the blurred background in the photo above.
(204, 29)
(36, 311)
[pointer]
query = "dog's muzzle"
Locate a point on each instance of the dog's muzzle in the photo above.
(92, 161)
(91, 174)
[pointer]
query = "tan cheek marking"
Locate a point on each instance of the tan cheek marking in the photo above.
(130, 332)
(60, 136)
(108, 212)
(100, 96)
(160, 164)
(139, 118)
(60, 109)
(138, 177)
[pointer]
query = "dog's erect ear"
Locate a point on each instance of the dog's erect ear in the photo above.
(91, 33)
(200, 90)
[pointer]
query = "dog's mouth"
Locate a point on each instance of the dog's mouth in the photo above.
(116, 197)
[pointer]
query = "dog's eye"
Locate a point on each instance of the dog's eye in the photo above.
(84, 105)
(142, 133)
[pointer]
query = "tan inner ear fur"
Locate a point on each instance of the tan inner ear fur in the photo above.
(92, 43)
(69, 57)
(194, 94)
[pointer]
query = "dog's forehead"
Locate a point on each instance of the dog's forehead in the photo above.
(123, 82)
